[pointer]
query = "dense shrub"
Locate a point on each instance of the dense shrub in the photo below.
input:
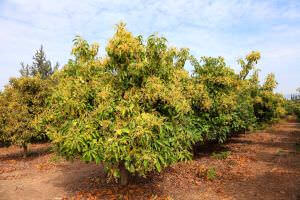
(20, 102)
(237, 101)
(137, 109)
(220, 82)
(23, 99)
(268, 107)
(129, 110)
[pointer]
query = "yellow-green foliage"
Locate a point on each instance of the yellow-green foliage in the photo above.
(129, 108)
(221, 84)
(237, 101)
(20, 102)
(138, 108)
(268, 107)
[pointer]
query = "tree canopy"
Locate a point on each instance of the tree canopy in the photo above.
(137, 109)
(20, 103)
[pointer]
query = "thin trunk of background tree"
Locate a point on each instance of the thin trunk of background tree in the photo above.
(25, 150)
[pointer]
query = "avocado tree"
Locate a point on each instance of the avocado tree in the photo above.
(268, 106)
(129, 110)
(220, 82)
(137, 110)
(236, 102)
(20, 102)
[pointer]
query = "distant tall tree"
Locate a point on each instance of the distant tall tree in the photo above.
(25, 70)
(40, 65)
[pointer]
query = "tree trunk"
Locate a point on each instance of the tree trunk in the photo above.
(25, 150)
(124, 175)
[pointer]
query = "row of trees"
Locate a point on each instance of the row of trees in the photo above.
(137, 109)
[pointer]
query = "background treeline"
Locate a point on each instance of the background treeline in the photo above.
(293, 105)
(137, 109)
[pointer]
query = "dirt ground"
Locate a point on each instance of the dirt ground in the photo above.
(261, 165)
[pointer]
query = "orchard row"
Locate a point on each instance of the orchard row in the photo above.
(137, 109)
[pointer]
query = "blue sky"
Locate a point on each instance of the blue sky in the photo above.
(209, 28)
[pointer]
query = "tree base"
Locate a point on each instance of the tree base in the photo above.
(25, 151)
(124, 175)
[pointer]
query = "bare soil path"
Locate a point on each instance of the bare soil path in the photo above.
(261, 165)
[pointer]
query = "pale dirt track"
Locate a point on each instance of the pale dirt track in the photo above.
(262, 165)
